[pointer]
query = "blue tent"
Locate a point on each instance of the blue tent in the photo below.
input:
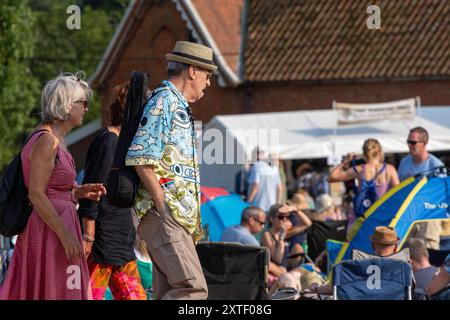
(221, 212)
(413, 200)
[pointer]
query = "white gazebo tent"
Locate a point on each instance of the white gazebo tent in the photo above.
(305, 135)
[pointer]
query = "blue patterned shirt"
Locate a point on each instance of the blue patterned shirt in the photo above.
(166, 139)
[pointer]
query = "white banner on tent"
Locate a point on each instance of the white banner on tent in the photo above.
(351, 113)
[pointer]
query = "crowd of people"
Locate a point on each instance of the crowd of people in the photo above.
(78, 245)
(315, 199)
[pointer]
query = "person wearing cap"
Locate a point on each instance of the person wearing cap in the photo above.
(164, 156)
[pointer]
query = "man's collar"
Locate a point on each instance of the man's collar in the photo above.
(175, 90)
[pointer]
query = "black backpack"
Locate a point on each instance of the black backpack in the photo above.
(122, 181)
(15, 207)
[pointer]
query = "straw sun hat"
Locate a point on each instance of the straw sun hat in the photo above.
(384, 235)
(192, 54)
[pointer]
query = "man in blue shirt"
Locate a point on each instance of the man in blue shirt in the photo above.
(419, 160)
(252, 222)
(164, 156)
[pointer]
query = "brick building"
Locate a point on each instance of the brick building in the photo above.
(284, 55)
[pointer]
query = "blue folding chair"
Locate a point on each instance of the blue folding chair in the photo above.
(372, 279)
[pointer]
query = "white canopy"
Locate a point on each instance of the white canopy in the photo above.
(315, 134)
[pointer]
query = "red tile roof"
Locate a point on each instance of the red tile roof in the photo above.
(322, 40)
(223, 21)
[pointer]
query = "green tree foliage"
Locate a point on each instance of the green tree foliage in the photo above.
(60, 49)
(35, 46)
(18, 87)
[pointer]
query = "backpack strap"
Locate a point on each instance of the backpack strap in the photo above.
(381, 171)
(354, 167)
(32, 134)
(35, 132)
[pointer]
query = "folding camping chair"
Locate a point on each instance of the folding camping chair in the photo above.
(372, 279)
(320, 231)
(234, 271)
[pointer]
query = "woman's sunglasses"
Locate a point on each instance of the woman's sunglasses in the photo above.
(282, 217)
(85, 103)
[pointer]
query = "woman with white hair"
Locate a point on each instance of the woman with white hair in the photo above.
(48, 261)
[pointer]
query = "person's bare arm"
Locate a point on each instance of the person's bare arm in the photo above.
(305, 224)
(89, 231)
(148, 178)
(275, 270)
(439, 282)
(280, 190)
(253, 191)
(339, 174)
(276, 248)
(42, 162)
(393, 176)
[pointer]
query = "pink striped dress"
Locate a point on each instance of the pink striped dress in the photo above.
(39, 269)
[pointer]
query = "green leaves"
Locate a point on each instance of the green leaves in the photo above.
(18, 87)
(35, 46)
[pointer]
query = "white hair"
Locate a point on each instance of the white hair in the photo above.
(59, 94)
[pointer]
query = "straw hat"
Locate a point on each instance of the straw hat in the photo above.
(192, 54)
(384, 235)
(299, 201)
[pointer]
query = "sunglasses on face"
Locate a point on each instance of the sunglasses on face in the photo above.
(261, 223)
(282, 217)
(412, 142)
(207, 72)
(83, 102)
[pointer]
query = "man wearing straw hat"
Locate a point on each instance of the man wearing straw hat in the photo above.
(164, 156)
(384, 241)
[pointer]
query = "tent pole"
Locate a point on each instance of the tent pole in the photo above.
(419, 109)
(334, 130)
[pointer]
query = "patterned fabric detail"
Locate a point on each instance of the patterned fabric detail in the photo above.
(124, 282)
(39, 269)
(165, 139)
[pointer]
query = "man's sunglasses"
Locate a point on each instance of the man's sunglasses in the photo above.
(412, 142)
(208, 73)
(262, 223)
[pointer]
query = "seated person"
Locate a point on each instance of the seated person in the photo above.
(326, 209)
(144, 264)
(423, 270)
(275, 237)
(440, 280)
(384, 243)
(297, 233)
(252, 222)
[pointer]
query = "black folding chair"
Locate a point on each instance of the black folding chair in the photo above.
(234, 271)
